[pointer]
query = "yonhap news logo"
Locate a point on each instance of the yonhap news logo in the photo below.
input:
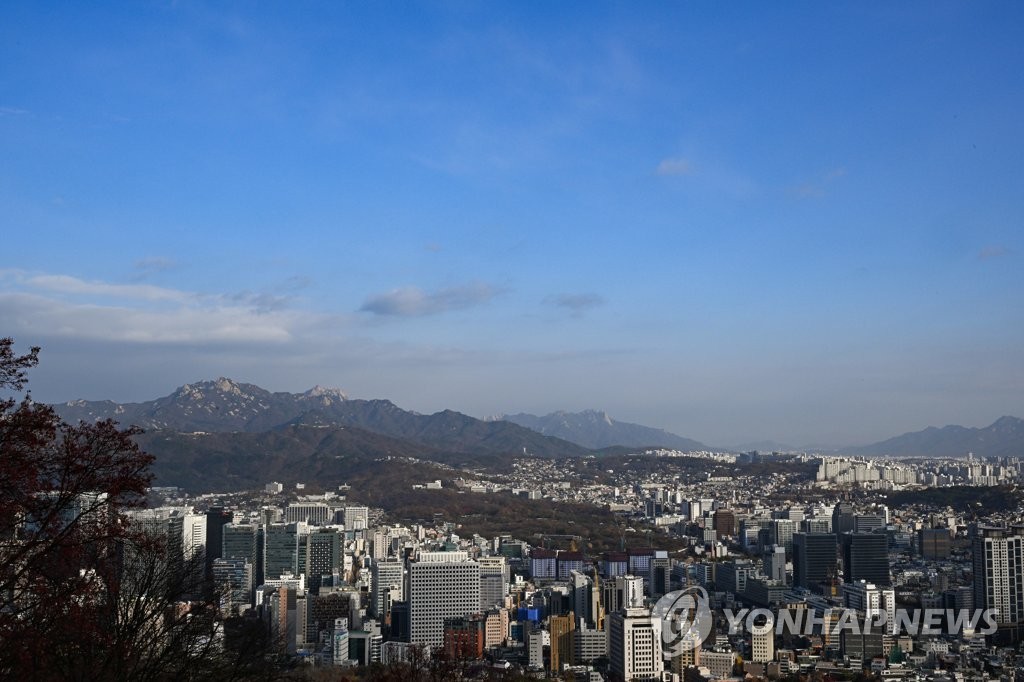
(835, 621)
(685, 619)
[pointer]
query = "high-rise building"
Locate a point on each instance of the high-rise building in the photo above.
(819, 524)
(238, 541)
(762, 642)
(566, 563)
(814, 560)
(495, 627)
(775, 563)
(216, 519)
(634, 646)
(585, 601)
(535, 649)
(562, 630)
(719, 661)
(183, 534)
(464, 636)
(782, 533)
(731, 576)
(661, 570)
(868, 523)
(441, 585)
(494, 579)
(543, 564)
(871, 601)
(281, 549)
(323, 555)
(387, 585)
(842, 518)
(589, 644)
(725, 523)
(313, 513)
(999, 572)
(934, 543)
(357, 518)
(865, 557)
(233, 577)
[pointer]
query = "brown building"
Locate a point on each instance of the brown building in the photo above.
(562, 630)
(725, 522)
(464, 637)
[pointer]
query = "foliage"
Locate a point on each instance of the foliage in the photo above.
(85, 595)
(969, 499)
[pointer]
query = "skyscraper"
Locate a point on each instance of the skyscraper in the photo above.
(494, 577)
(323, 555)
(865, 557)
(585, 599)
(388, 585)
(782, 533)
(934, 543)
(775, 563)
(634, 646)
(762, 642)
(281, 549)
(814, 560)
(843, 518)
(216, 519)
(441, 585)
(562, 632)
(999, 572)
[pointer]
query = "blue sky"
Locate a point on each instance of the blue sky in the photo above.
(793, 221)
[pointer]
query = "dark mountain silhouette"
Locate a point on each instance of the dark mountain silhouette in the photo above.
(225, 406)
(206, 462)
(595, 429)
(1002, 438)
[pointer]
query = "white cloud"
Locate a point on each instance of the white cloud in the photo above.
(66, 284)
(32, 315)
(414, 302)
(46, 305)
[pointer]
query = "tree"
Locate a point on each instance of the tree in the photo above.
(84, 594)
(63, 493)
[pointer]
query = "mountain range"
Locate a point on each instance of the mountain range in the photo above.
(596, 429)
(225, 406)
(1003, 438)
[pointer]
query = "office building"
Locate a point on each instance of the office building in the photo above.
(314, 514)
(843, 518)
(634, 646)
(934, 543)
(281, 549)
(562, 630)
(323, 555)
(494, 578)
(441, 585)
(387, 585)
(814, 560)
(871, 601)
(999, 573)
(464, 637)
(775, 563)
(865, 557)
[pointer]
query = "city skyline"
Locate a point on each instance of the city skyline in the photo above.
(795, 223)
